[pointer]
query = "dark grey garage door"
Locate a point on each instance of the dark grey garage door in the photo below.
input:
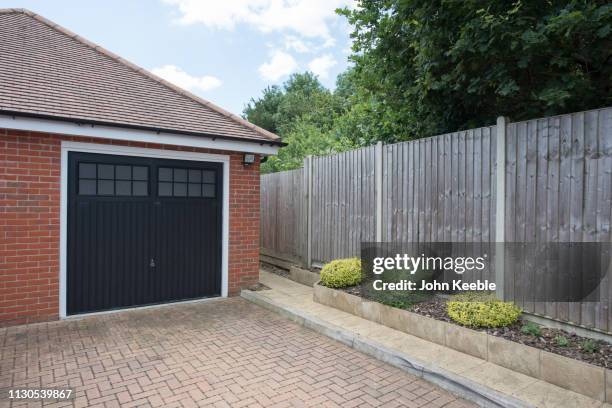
(141, 231)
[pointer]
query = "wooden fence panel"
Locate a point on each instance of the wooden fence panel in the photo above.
(439, 189)
(343, 197)
(283, 214)
(558, 177)
(558, 182)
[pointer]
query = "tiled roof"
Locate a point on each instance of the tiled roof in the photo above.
(47, 71)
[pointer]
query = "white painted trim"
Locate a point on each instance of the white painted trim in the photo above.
(132, 135)
(138, 152)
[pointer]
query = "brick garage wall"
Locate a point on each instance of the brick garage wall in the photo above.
(30, 222)
(244, 225)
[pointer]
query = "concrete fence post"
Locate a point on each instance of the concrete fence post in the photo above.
(500, 204)
(378, 177)
(308, 193)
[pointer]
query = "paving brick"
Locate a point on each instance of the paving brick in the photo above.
(222, 353)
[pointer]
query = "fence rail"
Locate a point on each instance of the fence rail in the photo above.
(552, 183)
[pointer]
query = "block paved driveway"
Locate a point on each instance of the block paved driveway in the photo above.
(225, 352)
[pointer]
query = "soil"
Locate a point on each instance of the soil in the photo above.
(602, 356)
(274, 269)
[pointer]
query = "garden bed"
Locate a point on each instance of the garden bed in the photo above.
(587, 375)
(600, 352)
(601, 355)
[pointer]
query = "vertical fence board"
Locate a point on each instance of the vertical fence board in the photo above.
(562, 284)
(520, 279)
(553, 163)
(530, 208)
(576, 196)
(477, 187)
(469, 186)
(604, 191)
(411, 230)
(441, 157)
(448, 189)
(511, 193)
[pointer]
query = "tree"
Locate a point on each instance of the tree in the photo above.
(303, 113)
(429, 67)
(264, 111)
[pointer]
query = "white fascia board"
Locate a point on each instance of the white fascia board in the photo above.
(132, 135)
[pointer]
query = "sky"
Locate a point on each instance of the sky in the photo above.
(226, 51)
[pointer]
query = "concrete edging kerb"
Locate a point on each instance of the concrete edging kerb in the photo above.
(586, 379)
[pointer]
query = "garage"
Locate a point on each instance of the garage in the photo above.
(141, 231)
(118, 189)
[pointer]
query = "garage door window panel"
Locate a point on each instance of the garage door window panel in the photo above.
(181, 182)
(112, 180)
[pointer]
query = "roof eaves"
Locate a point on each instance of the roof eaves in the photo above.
(85, 121)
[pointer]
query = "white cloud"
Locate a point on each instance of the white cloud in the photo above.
(308, 18)
(293, 43)
(177, 76)
(321, 65)
(330, 42)
(280, 65)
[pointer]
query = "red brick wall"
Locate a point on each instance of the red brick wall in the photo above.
(30, 214)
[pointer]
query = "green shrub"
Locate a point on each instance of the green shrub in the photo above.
(590, 346)
(398, 303)
(398, 299)
(481, 310)
(561, 341)
(402, 299)
(474, 297)
(531, 328)
(341, 273)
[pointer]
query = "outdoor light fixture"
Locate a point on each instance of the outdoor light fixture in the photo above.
(249, 158)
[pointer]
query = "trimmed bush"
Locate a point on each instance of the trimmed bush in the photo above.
(341, 273)
(481, 310)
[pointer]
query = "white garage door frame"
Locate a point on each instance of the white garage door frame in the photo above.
(68, 146)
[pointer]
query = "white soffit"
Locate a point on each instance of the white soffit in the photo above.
(133, 135)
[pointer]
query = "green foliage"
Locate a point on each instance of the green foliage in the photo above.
(590, 346)
(264, 112)
(474, 297)
(481, 310)
(429, 67)
(401, 299)
(394, 302)
(341, 273)
(304, 138)
(561, 341)
(422, 68)
(532, 329)
(303, 113)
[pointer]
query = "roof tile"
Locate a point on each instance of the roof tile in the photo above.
(47, 70)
